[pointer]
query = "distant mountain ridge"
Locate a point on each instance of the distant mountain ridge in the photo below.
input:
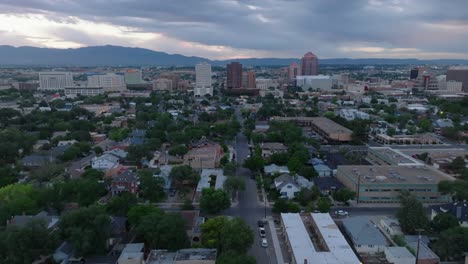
(126, 56)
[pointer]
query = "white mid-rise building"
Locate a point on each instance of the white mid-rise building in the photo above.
(203, 85)
(316, 82)
(351, 114)
(265, 84)
(109, 82)
(54, 81)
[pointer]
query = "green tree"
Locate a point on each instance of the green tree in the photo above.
(235, 258)
(92, 174)
(411, 214)
(211, 231)
(294, 164)
(120, 205)
(281, 205)
(187, 205)
(444, 221)
(178, 150)
(305, 196)
(254, 163)
(458, 165)
(323, 204)
(137, 212)
(26, 244)
(98, 150)
(184, 174)
(452, 244)
(344, 195)
(214, 201)
(425, 125)
(151, 187)
(138, 152)
(18, 199)
(87, 229)
(230, 168)
(237, 236)
(234, 184)
(166, 231)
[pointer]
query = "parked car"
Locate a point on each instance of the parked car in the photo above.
(260, 223)
(341, 213)
(172, 192)
(262, 232)
(264, 243)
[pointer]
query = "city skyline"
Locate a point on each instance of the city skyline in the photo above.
(244, 29)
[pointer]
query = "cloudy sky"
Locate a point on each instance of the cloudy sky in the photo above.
(221, 29)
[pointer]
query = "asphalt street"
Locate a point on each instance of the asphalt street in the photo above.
(248, 207)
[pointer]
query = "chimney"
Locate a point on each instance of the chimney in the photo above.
(305, 261)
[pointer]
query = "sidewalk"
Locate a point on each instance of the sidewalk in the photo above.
(276, 245)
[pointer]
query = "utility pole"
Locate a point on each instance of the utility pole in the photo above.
(358, 189)
(419, 241)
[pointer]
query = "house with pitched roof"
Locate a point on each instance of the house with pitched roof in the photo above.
(364, 235)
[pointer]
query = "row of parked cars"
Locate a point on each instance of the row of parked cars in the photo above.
(261, 229)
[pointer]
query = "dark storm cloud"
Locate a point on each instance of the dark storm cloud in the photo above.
(330, 28)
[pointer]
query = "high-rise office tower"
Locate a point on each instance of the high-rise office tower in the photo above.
(203, 83)
(309, 64)
(293, 70)
(53, 81)
(234, 75)
(249, 79)
(459, 74)
(414, 73)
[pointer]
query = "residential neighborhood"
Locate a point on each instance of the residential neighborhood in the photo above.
(233, 162)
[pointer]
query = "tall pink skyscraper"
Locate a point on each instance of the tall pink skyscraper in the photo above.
(309, 64)
(294, 70)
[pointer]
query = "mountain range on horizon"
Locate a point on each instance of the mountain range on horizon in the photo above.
(126, 56)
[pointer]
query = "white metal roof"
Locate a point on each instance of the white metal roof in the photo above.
(302, 247)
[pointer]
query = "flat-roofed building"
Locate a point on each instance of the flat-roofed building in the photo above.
(73, 91)
(110, 82)
(328, 245)
(384, 183)
(325, 127)
(389, 156)
(54, 81)
(320, 82)
(427, 139)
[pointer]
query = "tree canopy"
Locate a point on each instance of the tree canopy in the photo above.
(87, 229)
(214, 201)
(411, 214)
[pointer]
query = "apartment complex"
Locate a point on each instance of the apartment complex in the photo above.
(323, 126)
(55, 81)
(384, 183)
(110, 82)
(315, 238)
(203, 83)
